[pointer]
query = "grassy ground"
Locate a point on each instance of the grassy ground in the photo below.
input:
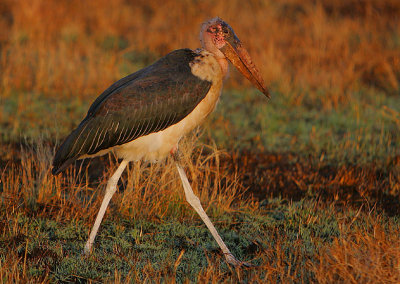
(307, 188)
(326, 224)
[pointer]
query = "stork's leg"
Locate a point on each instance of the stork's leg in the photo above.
(110, 190)
(194, 201)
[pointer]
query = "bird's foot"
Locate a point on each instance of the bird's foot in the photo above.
(237, 263)
(88, 248)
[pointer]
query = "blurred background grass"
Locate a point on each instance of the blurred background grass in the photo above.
(308, 188)
(333, 68)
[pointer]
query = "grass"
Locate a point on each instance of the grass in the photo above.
(295, 241)
(307, 188)
(324, 224)
(364, 130)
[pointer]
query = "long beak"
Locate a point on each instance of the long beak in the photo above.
(241, 59)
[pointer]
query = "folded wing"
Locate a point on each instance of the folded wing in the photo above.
(144, 102)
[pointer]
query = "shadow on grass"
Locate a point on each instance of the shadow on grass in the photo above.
(293, 177)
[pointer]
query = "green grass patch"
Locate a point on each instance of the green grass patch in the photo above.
(364, 129)
(360, 131)
(142, 249)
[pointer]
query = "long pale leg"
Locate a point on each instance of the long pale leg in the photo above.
(110, 190)
(194, 201)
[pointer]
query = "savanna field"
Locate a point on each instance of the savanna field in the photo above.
(304, 185)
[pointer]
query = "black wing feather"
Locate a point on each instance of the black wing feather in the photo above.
(144, 102)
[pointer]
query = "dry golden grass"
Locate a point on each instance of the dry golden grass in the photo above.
(147, 190)
(361, 258)
(76, 48)
(364, 252)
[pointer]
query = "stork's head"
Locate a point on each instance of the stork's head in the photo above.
(219, 38)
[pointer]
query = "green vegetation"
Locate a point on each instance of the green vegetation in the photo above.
(285, 240)
(365, 129)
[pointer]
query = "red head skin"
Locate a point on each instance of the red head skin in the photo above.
(218, 37)
(212, 39)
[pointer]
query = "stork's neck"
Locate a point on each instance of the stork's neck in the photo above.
(224, 65)
(207, 44)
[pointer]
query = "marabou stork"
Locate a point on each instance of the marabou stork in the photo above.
(144, 115)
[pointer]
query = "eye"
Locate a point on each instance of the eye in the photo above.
(212, 30)
(209, 30)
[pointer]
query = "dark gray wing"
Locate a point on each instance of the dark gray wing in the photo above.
(144, 102)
